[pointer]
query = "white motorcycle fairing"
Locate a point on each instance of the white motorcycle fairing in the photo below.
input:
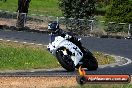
(59, 42)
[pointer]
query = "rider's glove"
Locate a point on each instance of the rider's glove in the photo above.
(67, 36)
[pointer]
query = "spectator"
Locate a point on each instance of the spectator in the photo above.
(23, 6)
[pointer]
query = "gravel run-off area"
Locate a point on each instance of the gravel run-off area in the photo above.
(38, 82)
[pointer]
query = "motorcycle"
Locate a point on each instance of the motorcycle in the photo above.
(69, 55)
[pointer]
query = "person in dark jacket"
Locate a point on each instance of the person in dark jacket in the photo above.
(55, 29)
(23, 6)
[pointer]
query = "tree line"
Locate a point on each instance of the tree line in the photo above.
(114, 10)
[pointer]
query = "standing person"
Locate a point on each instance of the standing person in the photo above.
(22, 10)
(23, 6)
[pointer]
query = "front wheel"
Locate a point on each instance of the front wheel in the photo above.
(65, 60)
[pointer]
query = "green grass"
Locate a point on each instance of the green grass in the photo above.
(24, 56)
(103, 59)
(41, 7)
(18, 56)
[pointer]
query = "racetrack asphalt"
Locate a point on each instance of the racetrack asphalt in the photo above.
(120, 47)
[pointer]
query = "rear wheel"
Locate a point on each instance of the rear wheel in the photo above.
(65, 60)
(89, 60)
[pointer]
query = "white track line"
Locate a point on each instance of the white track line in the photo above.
(128, 61)
(15, 41)
(40, 44)
(24, 42)
(31, 43)
(1, 39)
(8, 40)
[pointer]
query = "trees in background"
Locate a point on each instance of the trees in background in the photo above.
(119, 11)
(106, 2)
(77, 8)
(101, 6)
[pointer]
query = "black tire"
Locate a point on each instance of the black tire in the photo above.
(90, 61)
(65, 61)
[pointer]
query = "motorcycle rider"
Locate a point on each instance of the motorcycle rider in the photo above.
(55, 30)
